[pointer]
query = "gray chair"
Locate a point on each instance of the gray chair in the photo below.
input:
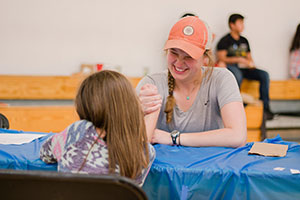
(47, 185)
(3, 122)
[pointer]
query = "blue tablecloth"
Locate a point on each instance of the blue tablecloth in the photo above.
(223, 173)
(195, 173)
(24, 156)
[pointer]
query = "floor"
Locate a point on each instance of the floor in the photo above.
(287, 126)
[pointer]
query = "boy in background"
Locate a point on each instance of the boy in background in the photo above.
(233, 52)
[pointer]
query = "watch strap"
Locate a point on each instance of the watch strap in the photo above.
(174, 135)
(174, 139)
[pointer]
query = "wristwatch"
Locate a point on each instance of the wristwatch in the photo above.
(174, 135)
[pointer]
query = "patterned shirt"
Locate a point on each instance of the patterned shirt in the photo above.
(72, 147)
(295, 63)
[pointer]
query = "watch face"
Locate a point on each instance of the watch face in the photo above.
(175, 133)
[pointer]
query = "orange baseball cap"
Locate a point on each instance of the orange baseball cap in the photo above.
(191, 35)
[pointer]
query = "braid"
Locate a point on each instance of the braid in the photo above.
(211, 63)
(209, 55)
(170, 100)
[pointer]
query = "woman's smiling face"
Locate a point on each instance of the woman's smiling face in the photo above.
(182, 66)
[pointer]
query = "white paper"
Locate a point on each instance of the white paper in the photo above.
(279, 168)
(295, 171)
(6, 138)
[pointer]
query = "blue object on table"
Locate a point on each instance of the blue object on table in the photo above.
(194, 173)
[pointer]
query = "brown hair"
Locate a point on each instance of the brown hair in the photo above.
(108, 100)
(296, 40)
(171, 84)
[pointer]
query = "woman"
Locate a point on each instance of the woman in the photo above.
(201, 106)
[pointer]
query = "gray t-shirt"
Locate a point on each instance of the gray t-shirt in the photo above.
(216, 91)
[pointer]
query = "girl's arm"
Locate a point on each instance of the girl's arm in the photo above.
(46, 153)
(51, 150)
(233, 134)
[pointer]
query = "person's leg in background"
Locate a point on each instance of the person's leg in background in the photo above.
(264, 85)
(236, 72)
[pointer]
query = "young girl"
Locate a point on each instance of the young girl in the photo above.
(111, 136)
(295, 55)
(202, 106)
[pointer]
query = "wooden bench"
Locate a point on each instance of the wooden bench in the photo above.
(55, 118)
(279, 90)
(255, 122)
(45, 118)
(285, 90)
(42, 87)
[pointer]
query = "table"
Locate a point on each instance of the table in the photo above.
(24, 156)
(223, 173)
(195, 173)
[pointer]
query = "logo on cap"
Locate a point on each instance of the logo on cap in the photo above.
(188, 30)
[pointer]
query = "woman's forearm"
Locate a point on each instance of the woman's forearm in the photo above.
(150, 122)
(225, 137)
(233, 135)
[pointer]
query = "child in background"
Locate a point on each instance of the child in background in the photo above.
(110, 137)
(295, 55)
(233, 51)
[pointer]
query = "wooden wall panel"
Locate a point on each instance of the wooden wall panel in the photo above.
(40, 118)
(57, 118)
(253, 135)
(134, 80)
(254, 115)
(39, 87)
(43, 87)
(250, 87)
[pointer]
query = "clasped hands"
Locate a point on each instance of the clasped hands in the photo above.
(246, 62)
(151, 102)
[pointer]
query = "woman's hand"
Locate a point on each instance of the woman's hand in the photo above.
(150, 99)
(161, 137)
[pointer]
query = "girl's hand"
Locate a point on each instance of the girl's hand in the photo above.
(161, 137)
(150, 99)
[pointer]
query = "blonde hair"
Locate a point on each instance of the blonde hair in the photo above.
(171, 85)
(108, 100)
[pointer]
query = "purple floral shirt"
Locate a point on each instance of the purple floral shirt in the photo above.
(71, 147)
